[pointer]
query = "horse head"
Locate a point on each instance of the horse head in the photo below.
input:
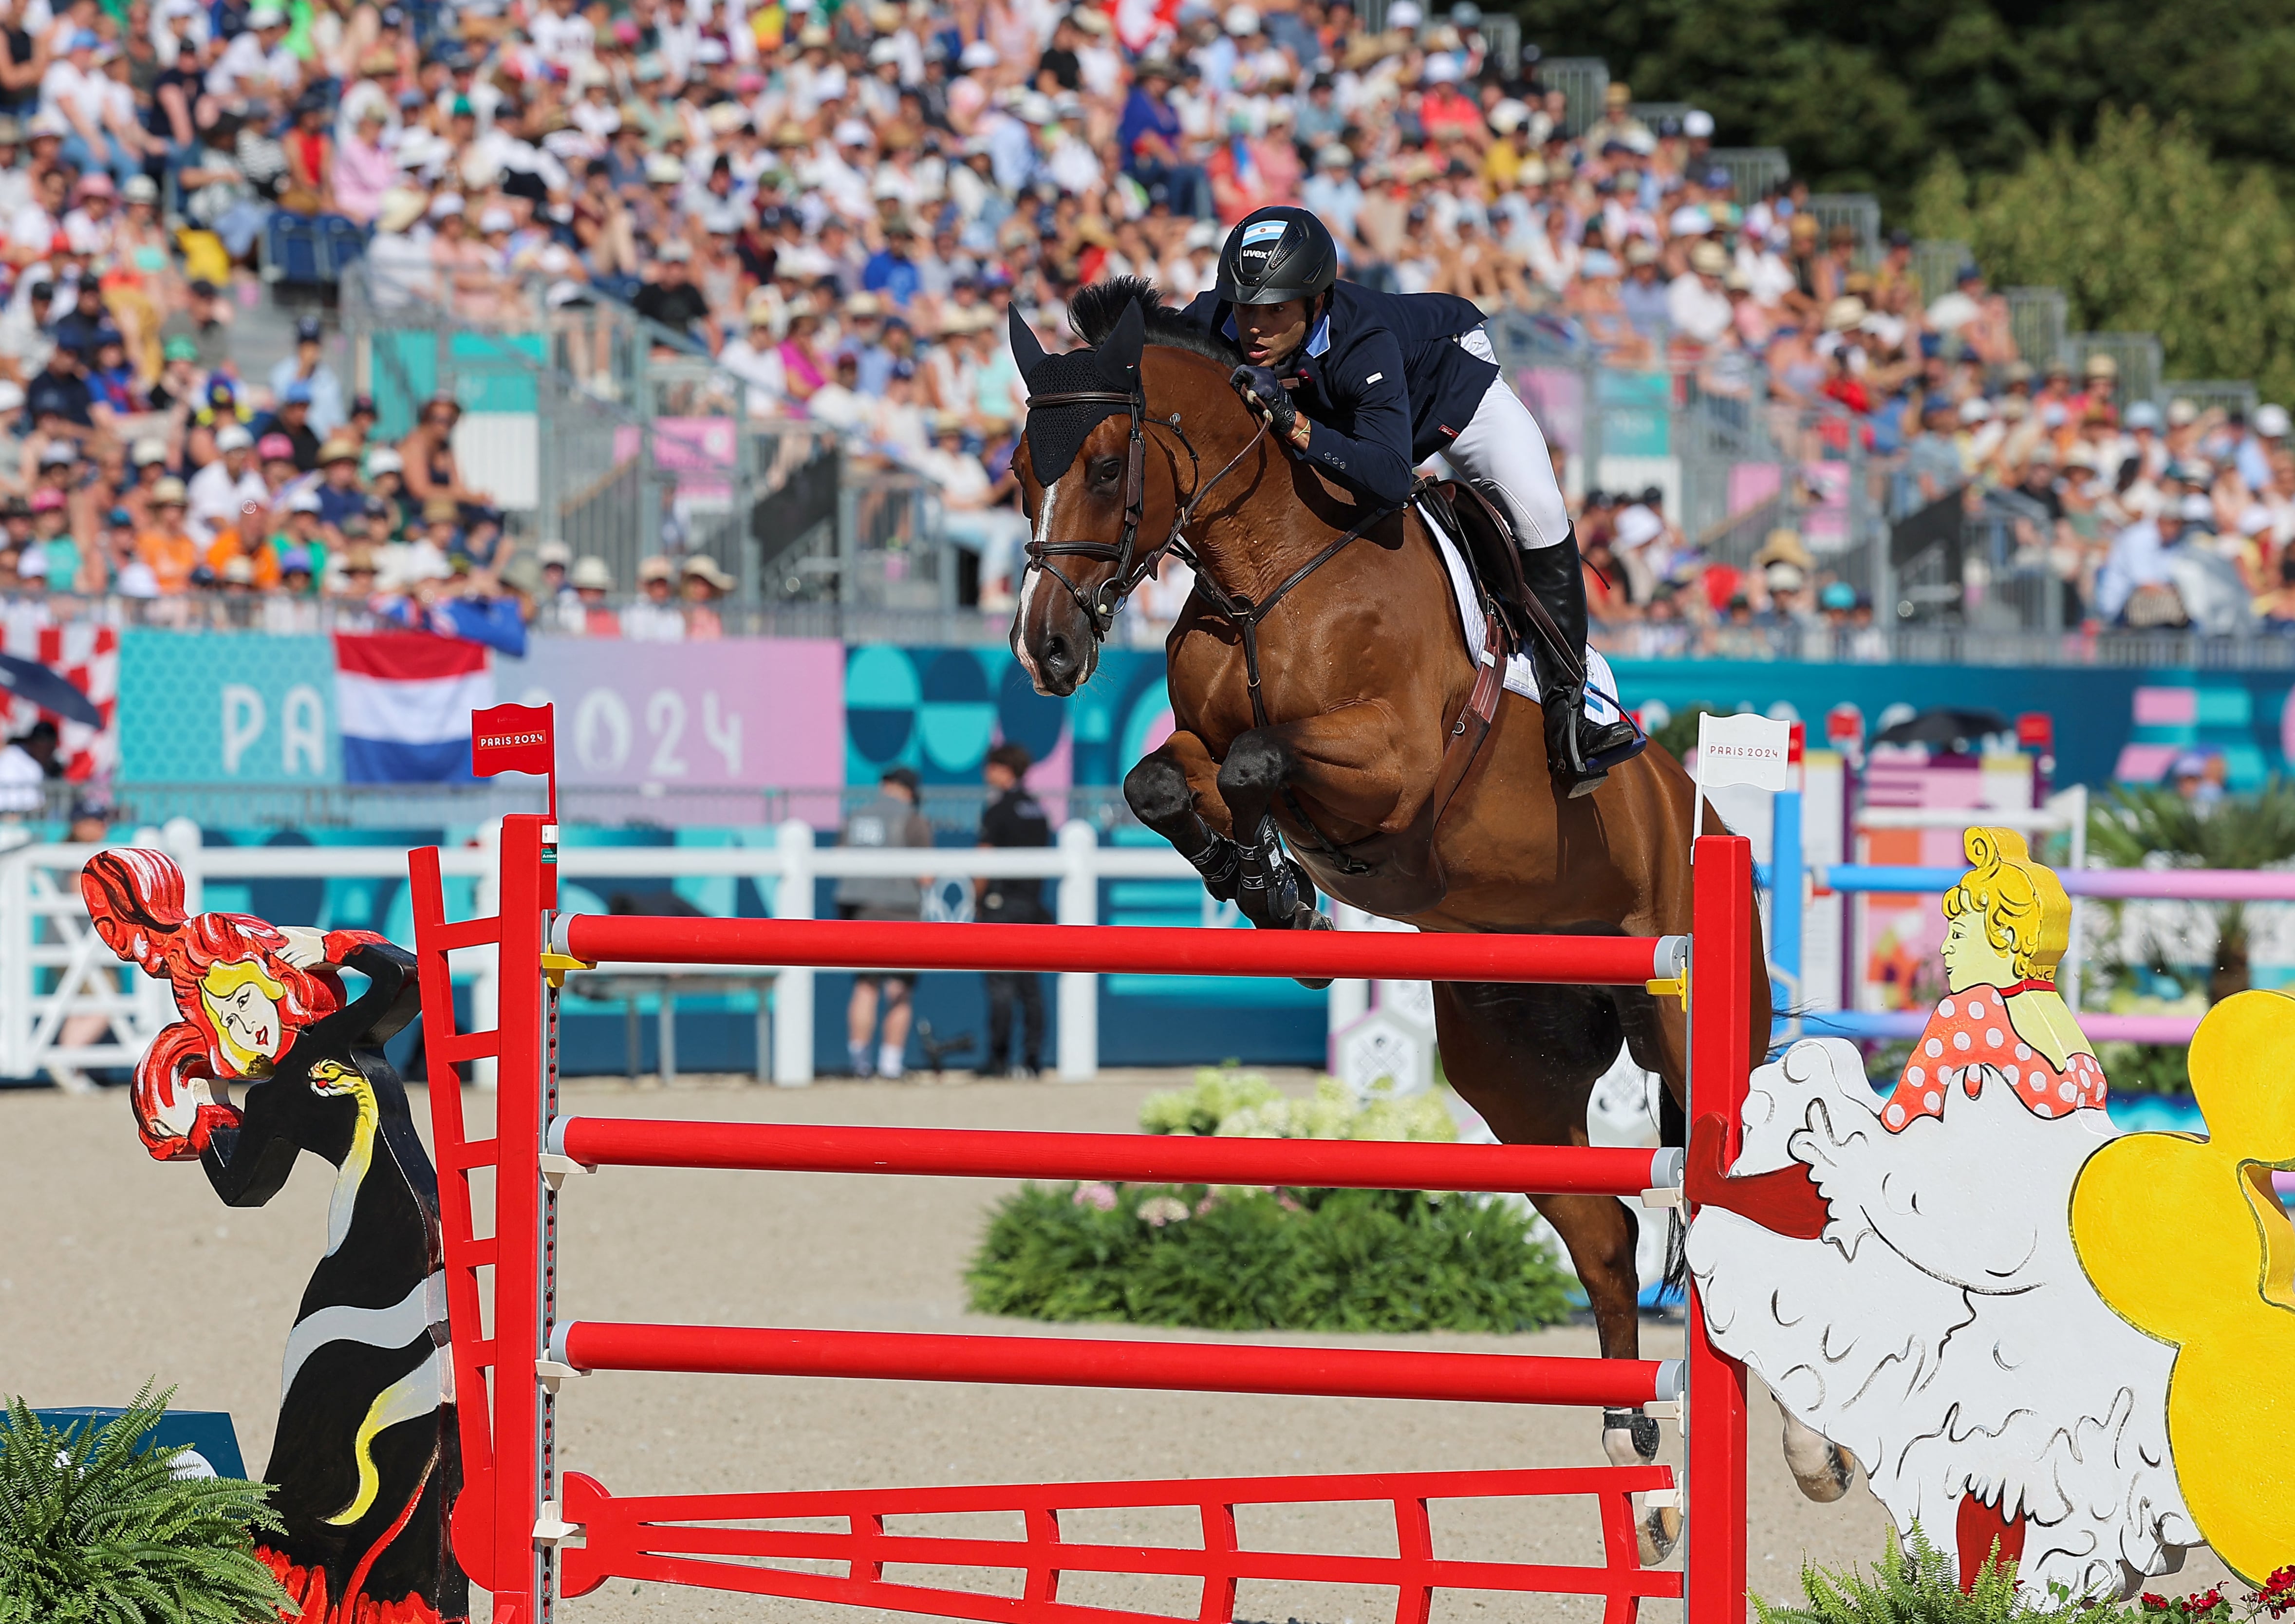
(1082, 476)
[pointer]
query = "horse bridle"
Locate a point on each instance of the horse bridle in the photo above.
(1099, 607)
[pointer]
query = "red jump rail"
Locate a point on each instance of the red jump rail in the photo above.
(1111, 950)
(1129, 1158)
(1078, 1361)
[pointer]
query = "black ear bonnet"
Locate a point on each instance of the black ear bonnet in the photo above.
(1056, 434)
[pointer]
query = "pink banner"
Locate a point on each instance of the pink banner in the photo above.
(698, 450)
(736, 713)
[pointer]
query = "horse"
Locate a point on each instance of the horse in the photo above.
(1317, 674)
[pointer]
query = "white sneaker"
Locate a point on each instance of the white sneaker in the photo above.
(858, 1053)
(888, 1061)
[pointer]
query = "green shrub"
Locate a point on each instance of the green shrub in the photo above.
(1251, 1260)
(1244, 1104)
(1239, 1259)
(1916, 1586)
(93, 1532)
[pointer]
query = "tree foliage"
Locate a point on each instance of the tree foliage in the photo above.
(2254, 830)
(1863, 97)
(2143, 232)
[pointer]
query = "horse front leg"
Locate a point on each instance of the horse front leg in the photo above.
(1272, 891)
(1170, 790)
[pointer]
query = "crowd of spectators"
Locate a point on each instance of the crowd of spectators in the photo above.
(838, 202)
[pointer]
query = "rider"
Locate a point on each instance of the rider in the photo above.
(1369, 385)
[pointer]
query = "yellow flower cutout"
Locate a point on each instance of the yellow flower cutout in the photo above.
(2184, 1237)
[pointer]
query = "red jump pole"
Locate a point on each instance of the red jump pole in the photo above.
(528, 886)
(1131, 1158)
(1726, 932)
(1117, 950)
(1053, 1361)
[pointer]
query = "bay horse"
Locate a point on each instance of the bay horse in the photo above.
(1316, 673)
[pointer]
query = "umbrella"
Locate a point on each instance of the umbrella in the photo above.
(1950, 727)
(29, 679)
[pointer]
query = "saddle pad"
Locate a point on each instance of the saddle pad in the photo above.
(1521, 676)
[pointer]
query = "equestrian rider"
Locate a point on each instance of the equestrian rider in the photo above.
(1367, 385)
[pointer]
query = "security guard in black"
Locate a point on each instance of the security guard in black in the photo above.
(1012, 818)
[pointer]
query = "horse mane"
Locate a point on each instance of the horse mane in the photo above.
(1095, 309)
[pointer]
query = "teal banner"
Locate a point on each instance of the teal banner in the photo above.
(227, 707)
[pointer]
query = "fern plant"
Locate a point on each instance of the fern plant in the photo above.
(96, 1530)
(1913, 1584)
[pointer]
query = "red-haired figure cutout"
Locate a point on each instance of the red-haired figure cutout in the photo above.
(365, 1458)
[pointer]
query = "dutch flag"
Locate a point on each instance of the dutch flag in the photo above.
(403, 700)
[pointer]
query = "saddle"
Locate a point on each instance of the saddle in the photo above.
(1486, 541)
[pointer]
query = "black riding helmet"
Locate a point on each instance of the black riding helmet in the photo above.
(1277, 254)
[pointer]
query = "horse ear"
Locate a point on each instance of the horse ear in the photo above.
(1027, 353)
(1119, 352)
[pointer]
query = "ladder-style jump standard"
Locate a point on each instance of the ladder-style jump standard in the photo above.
(529, 1539)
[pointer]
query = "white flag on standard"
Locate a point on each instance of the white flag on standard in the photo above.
(1747, 749)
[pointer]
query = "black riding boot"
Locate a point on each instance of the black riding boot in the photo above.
(1580, 752)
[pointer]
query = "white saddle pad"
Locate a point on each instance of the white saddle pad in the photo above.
(1521, 676)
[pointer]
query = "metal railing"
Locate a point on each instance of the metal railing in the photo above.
(2137, 354)
(618, 437)
(67, 1006)
(1582, 81)
(241, 809)
(1937, 263)
(1860, 212)
(2227, 395)
(1752, 171)
(2038, 319)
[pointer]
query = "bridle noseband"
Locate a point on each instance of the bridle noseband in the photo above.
(1099, 607)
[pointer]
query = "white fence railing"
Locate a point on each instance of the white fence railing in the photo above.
(67, 1006)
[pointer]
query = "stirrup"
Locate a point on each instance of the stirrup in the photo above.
(1621, 742)
(1582, 769)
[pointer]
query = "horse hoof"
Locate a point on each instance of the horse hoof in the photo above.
(1657, 1533)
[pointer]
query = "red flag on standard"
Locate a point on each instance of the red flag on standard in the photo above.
(512, 738)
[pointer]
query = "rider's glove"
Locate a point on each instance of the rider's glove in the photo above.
(1259, 386)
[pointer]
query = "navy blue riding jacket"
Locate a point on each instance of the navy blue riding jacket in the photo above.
(1382, 377)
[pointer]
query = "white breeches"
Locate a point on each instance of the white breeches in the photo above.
(1502, 453)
